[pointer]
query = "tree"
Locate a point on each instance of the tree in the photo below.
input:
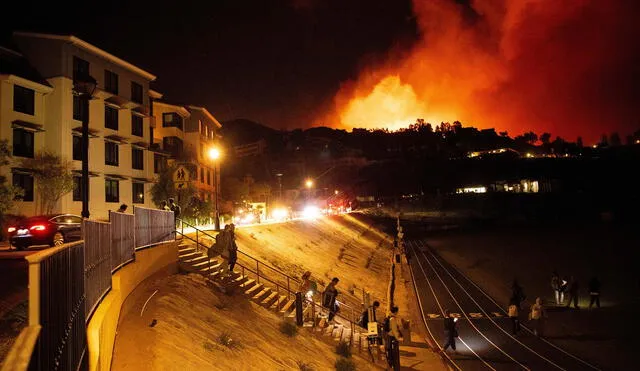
(165, 188)
(545, 138)
(52, 177)
(8, 193)
(579, 142)
(604, 141)
(615, 139)
(531, 137)
(504, 134)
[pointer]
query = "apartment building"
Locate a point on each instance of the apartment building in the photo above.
(187, 133)
(49, 115)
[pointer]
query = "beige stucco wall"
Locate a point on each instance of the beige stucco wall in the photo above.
(101, 329)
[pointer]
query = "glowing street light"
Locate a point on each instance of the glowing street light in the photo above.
(214, 153)
(336, 192)
(308, 183)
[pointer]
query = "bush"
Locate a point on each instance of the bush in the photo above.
(344, 364)
(288, 328)
(305, 366)
(226, 340)
(343, 349)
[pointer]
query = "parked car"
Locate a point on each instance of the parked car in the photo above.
(52, 230)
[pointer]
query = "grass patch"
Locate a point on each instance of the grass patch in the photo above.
(288, 328)
(343, 349)
(226, 340)
(344, 364)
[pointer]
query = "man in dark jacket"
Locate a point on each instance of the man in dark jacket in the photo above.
(233, 248)
(594, 292)
(329, 298)
(365, 315)
(574, 289)
(450, 331)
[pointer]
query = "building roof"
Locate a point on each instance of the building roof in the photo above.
(14, 63)
(92, 49)
(206, 113)
(180, 109)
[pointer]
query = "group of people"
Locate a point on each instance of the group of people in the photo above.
(571, 287)
(387, 333)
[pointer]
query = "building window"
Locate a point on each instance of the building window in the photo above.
(77, 148)
(173, 145)
(77, 188)
(172, 120)
(158, 163)
(138, 193)
(111, 82)
(136, 125)
(136, 92)
(202, 175)
(110, 118)
(111, 153)
(79, 109)
(137, 158)
(208, 177)
(80, 69)
(112, 190)
(25, 182)
(22, 143)
(23, 100)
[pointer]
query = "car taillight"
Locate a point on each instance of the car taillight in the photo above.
(11, 229)
(37, 227)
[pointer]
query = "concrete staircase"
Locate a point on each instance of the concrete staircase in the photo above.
(194, 261)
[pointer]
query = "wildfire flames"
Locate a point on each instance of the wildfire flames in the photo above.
(567, 67)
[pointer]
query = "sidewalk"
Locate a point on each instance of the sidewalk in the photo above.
(415, 351)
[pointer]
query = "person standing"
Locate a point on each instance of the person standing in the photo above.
(537, 316)
(329, 298)
(393, 336)
(369, 315)
(513, 312)
(594, 292)
(574, 291)
(233, 248)
(555, 285)
(176, 210)
(564, 285)
(163, 206)
(450, 331)
(517, 293)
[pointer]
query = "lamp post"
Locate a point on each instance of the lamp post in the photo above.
(309, 184)
(279, 175)
(84, 87)
(214, 155)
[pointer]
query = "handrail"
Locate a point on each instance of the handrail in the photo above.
(290, 280)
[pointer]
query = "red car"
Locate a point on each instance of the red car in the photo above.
(52, 230)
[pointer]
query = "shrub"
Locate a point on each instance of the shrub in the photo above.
(344, 364)
(343, 349)
(226, 340)
(288, 328)
(305, 366)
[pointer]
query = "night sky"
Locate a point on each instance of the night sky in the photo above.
(568, 67)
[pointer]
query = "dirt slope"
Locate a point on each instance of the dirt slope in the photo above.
(181, 326)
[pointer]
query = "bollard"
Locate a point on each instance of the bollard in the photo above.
(299, 321)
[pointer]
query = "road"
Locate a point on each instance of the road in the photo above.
(485, 340)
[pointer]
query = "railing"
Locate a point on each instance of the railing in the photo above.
(123, 243)
(57, 303)
(97, 262)
(265, 272)
(153, 226)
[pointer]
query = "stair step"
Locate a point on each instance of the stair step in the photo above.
(261, 295)
(346, 335)
(266, 302)
(280, 301)
(196, 259)
(201, 264)
(255, 289)
(328, 330)
(189, 255)
(247, 284)
(337, 332)
(288, 306)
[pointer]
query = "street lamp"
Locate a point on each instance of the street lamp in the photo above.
(84, 87)
(215, 154)
(309, 183)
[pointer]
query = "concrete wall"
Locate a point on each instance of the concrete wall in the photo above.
(101, 329)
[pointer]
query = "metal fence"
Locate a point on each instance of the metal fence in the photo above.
(153, 226)
(57, 303)
(97, 262)
(123, 244)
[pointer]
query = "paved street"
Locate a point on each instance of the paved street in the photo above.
(485, 340)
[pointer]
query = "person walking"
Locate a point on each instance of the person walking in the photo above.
(555, 285)
(233, 248)
(176, 210)
(329, 298)
(393, 337)
(574, 293)
(594, 292)
(450, 331)
(564, 285)
(163, 206)
(537, 316)
(513, 312)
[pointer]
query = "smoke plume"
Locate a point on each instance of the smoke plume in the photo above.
(567, 67)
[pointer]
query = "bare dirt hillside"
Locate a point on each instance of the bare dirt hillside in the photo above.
(187, 325)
